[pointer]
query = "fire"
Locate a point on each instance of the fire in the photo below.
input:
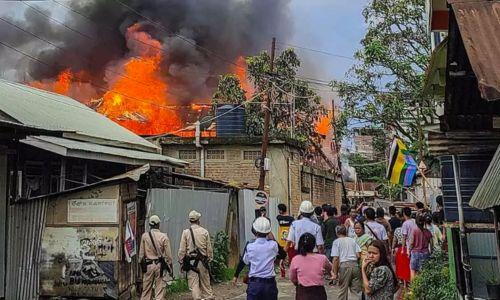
(61, 85)
(241, 73)
(136, 93)
(138, 100)
(324, 125)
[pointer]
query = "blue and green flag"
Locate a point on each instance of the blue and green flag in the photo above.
(402, 167)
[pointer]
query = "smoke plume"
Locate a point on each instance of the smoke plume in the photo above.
(92, 42)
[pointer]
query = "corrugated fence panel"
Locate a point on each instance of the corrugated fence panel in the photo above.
(483, 260)
(26, 222)
(174, 205)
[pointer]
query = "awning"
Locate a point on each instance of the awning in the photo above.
(87, 150)
(487, 194)
(479, 24)
(435, 77)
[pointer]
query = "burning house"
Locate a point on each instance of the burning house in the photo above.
(149, 66)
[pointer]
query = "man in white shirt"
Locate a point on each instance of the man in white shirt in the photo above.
(373, 228)
(305, 224)
(260, 255)
(345, 253)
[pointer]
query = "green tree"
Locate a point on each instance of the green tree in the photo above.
(228, 91)
(295, 107)
(385, 86)
(367, 170)
(374, 171)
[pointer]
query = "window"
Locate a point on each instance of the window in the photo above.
(251, 155)
(215, 154)
(187, 154)
(33, 179)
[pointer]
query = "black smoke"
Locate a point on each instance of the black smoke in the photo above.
(223, 30)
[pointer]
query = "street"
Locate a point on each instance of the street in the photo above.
(354, 140)
(227, 290)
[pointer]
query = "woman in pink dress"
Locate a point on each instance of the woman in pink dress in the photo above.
(307, 270)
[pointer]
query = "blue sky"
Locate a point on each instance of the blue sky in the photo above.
(335, 26)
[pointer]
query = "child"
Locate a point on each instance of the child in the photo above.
(260, 256)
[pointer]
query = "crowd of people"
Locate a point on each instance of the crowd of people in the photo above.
(361, 251)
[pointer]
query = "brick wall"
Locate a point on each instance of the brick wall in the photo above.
(234, 169)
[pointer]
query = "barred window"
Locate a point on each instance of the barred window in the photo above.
(187, 154)
(251, 155)
(215, 154)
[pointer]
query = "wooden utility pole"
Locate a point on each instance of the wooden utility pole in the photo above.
(337, 152)
(267, 120)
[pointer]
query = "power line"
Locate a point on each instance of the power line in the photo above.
(293, 95)
(132, 38)
(74, 54)
(56, 21)
(249, 101)
(318, 51)
(87, 108)
(92, 84)
(90, 38)
(185, 39)
(111, 29)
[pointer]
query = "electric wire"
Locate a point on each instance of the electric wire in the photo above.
(317, 51)
(94, 85)
(183, 38)
(74, 54)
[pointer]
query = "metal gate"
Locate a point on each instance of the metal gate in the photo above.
(174, 205)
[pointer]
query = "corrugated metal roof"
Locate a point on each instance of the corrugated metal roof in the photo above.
(86, 150)
(487, 193)
(132, 175)
(479, 23)
(45, 110)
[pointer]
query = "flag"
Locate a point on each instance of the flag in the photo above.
(402, 166)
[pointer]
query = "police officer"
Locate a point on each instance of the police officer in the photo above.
(198, 276)
(260, 255)
(150, 254)
(305, 224)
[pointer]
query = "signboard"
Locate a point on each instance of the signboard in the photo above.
(130, 245)
(92, 211)
(78, 261)
(260, 198)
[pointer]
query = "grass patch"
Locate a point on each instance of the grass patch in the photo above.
(178, 286)
(228, 274)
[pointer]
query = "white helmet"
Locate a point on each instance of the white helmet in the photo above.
(194, 215)
(306, 207)
(154, 220)
(262, 225)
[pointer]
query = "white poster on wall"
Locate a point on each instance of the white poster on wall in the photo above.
(92, 211)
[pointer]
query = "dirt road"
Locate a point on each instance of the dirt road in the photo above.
(237, 292)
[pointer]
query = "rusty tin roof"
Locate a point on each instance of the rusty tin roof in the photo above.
(479, 23)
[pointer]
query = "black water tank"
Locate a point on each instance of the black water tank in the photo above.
(230, 120)
(472, 168)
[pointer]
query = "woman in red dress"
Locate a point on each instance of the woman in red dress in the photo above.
(401, 258)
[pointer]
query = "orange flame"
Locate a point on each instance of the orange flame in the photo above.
(61, 85)
(325, 123)
(241, 73)
(138, 99)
